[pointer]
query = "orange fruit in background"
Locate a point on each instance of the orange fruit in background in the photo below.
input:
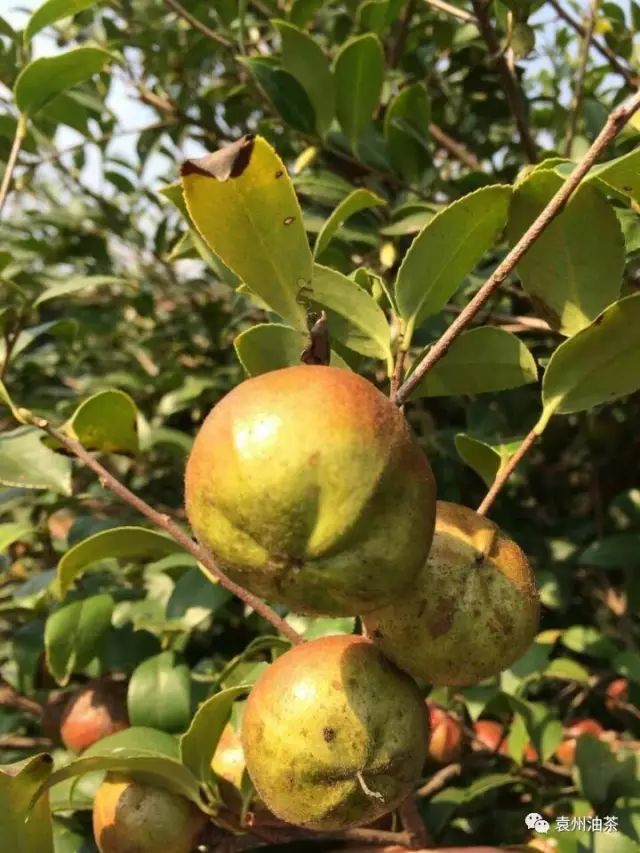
(93, 713)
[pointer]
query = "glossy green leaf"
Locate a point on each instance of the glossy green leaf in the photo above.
(51, 11)
(42, 79)
(482, 457)
(406, 129)
(62, 328)
(478, 361)
(574, 270)
(72, 635)
(598, 365)
(198, 743)
(272, 346)
(130, 544)
(12, 532)
(75, 285)
(567, 670)
(359, 73)
(107, 422)
(159, 694)
(356, 201)
(596, 768)
(620, 551)
(305, 60)
(446, 250)
(23, 828)
(261, 236)
(623, 174)
(26, 462)
(287, 95)
(5, 400)
(196, 591)
(353, 316)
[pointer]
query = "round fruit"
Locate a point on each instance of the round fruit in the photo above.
(228, 760)
(566, 751)
(491, 736)
(445, 743)
(473, 610)
(98, 710)
(131, 817)
(308, 488)
(616, 694)
(334, 735)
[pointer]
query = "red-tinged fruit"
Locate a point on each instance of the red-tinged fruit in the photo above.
(617, 693)
(472, 611)
(490, 735)
(566, 751)
(446, 740)
(309, 489)
(334, 735)
(132, 817)
(96, 711)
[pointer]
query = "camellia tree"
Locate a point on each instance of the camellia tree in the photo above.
(319, 518)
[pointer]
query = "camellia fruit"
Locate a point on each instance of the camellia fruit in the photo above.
(308, 488)
(473, 610)
(445, 743)
(566, 751)
(334, 735)
(96, 711)
(132, 817)
(228, 760)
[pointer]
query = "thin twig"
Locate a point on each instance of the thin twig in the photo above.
(509, 321)
(454, 11)
(510, 81)
(414, 824)
(164, 522)
(631, 78)
(10, 698)
(581, 72)
(614, 124)
(397, 48)
(24, 742)
(439, 780)
(18, 139)
(457, 149)
(203, 29)
(398, 370)
(504, 473)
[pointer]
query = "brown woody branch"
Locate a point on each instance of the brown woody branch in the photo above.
(454, 11)
(583, 59)
(18, 139)
(614, 124)
(455, 148)
(504, 474)
(512, 88)
(203, 29)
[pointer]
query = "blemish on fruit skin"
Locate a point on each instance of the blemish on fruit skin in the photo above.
(328, 734)
(288, 220)
(279, 173)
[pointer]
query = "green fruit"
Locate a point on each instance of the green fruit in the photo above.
(132, 817)
(308, 488)
(474, 609)
(333, 734)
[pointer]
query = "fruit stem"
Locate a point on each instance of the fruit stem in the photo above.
(505, 472)
(366, 789)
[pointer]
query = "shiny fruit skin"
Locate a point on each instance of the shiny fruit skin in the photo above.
(566, 751)
(96, 711)
(490, 735)
(445, 743)
(132, 817)
(334, 735)
(473, 610)
(308, 488)
(228, 760)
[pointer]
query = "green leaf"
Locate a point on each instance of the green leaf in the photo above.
(198, 743)
(75, 284)
(406, 127)
(359, 199)
(596, 768)
(567, 670)
(596, 366)
(131, 544)
(482, 457)
(261, 236)
(446, 250)
(72, 635)
(272, 346)
(359, 74)
(25, 462)
(480, 360)
(304, 59)
(623, 174)
(12, 532)
(21, 827)
(159, 694)
(63, 328)
(5, 399)
(42, 79)
(620, 551)
(286, 94)
(574, 270)
(50, 12)
(198, 591)
(354, 317)
(107, 422)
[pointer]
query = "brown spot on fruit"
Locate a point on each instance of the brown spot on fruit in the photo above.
(328, 734)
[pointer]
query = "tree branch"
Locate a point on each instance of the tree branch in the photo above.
(511, 85)
(457, 149)
(397, 48)
(413, 824)
(439, 780)
(454, 11)
(614, 124)
(164, 522)
(631, 79)
(18, 139)
(203, 29)
(504, 474)
(583, 59)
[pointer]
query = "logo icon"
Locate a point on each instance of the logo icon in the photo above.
(531, 819)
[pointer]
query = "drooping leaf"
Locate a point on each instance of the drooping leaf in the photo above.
(480, 360)
(356, 201)
(26, 462)
(406, 129)
(359, 72)
(446, 250)
(623, 174)
(260, 236)
(597, 365)
(574, 270)
(482, 457)
(159, 694)
(620, 551)
(304, 59)
(75, 285)
(72, 635)
(106, 422)
(42, 79)
(272, 346)
(287, 95)
(62, 328)
(22, 827)
(131, 544)
(50, 12)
